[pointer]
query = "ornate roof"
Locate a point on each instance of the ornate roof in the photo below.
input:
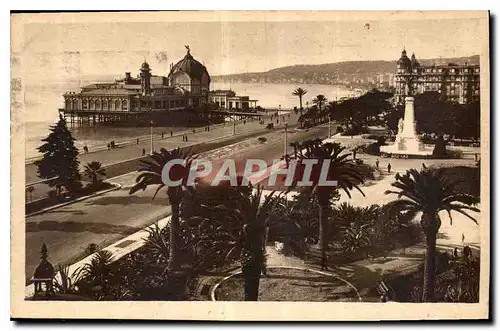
(404, 61)
(145, 66)
(190, 66)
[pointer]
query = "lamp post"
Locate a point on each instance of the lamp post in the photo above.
(329, 125)
(285, 142)
(151, 137)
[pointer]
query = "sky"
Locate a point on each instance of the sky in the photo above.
(51, 51)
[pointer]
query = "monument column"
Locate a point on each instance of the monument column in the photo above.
(409, 118)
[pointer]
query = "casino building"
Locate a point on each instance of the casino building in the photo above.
(180, 97)
(456, 82)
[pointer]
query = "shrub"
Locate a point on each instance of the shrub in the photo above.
(262, 140)
(439, 148)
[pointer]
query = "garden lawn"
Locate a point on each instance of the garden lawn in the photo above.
(283, 284)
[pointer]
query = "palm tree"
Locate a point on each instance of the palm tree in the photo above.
(240, 232)
(300, 92)
(151, 174)
(340, 169)
(428, 192)
(94, 171)
(319, 101)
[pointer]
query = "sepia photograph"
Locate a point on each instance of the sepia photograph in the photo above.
(250, 165)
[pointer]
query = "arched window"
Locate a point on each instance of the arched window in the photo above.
(85, 104)
(98, 104)
(105, 104)
(117, 104)
(92, 104)
(74, 104)
(124, 104)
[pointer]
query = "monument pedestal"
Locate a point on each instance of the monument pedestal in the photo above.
(407, 141)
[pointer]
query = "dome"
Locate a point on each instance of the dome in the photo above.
(414, 62)
(145, 66)
(190, 66)
(404, 61)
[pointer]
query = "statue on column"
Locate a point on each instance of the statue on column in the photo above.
(400, 126)
(409, 86)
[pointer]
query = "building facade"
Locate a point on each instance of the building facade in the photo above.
(457, 83)
(187, 85)
(227, 100)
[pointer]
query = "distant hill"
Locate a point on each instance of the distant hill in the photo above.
(351, 72)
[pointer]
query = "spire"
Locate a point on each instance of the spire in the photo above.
(188, 50)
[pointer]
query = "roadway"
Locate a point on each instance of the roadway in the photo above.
(105, 219)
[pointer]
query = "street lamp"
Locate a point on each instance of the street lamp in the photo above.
(285, 142)
(329, 125)
(151, 137)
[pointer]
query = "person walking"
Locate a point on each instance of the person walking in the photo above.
(143, 151)
(109, 146)
(463, 238)
(85, 149)
(162, 135)
(377, 163)
(389, 168)
(137, 141)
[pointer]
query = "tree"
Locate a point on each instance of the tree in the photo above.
(300, 92)
(428, 192)
(341, 169)
(235, 229)
(95, 172)
(60, 159)
(151, 174)
(357, 113)
(319, 101)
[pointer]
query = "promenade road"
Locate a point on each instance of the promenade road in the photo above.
(129, 152)
(105, 219)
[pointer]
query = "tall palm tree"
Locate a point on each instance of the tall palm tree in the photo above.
(428, 192)
(240, 232)
(300, 92)
(150, 173)
(95, 172)
(341, 169)
(319, 101)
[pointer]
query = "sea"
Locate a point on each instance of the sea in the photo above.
(42, 102)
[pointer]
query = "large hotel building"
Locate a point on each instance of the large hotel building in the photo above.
(456, 82)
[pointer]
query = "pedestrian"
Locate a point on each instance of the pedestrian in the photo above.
(389, 168)
(208, 128)
(143, 151)
(162, 135)
(475, 156)
(85, 149)
(377, 163)
(186, 137)
(463, 238)
(109, 146)
(354, 154)
(194, 131)
(455, 252)
(137, 141)
(171, 134)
